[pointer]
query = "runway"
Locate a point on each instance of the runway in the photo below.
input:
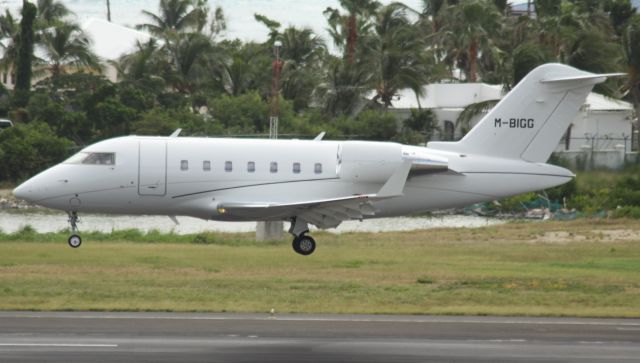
(195, 337)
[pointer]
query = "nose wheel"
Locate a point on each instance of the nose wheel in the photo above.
(74, 240)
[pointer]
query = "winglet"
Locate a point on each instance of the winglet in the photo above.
(320, 136)
(176, 133)
(395, 184)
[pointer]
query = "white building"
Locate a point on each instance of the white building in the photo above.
(109, 41)
(602, 134)
(447, 101)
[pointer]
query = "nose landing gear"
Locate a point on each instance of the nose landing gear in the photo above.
(302, 244)
(74, 240)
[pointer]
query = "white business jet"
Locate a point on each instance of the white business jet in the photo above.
(323, 182)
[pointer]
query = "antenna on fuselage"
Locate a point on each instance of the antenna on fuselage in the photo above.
(176, 133)
(320, 136)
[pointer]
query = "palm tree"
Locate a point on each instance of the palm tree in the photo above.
(346, 29)
(50, 11)
(146, 62)
(175, 16)
(631, 47)
(398, 54)
(470, 33)
(343, 86)
(9, 32)
(302, 53)
(188, 56)
(244, 68)
(66, 45)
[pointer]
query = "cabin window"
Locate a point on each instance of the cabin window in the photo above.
(184, 165)
(228, 166)
(90, 158)
(251, 166)
(296, 168)
(273, 167)
(317, 168)
(206, 165)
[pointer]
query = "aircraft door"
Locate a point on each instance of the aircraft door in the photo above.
(152, 167)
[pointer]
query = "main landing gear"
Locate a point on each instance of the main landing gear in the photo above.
(74, 240)
(302, 244)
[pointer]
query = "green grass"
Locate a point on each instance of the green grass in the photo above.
(502, 270)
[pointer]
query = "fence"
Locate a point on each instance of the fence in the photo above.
(598, 152)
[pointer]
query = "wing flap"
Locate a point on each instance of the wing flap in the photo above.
(325, 213)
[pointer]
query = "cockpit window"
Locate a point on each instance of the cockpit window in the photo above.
(92, 158)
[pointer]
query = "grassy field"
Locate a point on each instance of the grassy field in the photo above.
(579, 268)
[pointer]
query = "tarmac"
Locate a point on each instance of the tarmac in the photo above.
(204, 337)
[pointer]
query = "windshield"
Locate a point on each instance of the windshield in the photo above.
(92, 158)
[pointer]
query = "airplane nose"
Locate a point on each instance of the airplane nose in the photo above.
(21, 192)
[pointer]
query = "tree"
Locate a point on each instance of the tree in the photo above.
(592, 51)
(188, 55)
(346, 29)
(419, 127)
(147, 61)
(526, 57)
(620, 11)
(303, 54)
(397, 52)
(342, 87)
(547, 8)
(175, 16)
(9, 34)
(28, 149)
(631, 47)
(473, 26)
(25, 55)
(246, 68)
(50, 12)
(66, 45)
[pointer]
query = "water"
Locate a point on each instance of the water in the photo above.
(54, 221)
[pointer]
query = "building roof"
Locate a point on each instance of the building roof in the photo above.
(446, 95)
(461, 95)
(598, 102)
(110, 41)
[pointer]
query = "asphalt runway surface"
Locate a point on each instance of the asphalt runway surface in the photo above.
(195, 337)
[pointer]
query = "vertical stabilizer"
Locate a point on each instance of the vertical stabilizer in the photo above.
(530, 120)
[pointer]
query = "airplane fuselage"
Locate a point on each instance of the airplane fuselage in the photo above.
(193, 176)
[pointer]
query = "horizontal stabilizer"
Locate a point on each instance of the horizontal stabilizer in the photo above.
(597, 77)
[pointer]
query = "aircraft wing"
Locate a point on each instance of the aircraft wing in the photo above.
(326, 213)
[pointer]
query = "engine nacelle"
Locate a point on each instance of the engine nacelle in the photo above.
(372, 162)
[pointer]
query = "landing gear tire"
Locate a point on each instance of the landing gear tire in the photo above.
(75, 241)
(304, 245)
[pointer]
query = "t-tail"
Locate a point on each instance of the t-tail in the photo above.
(529, 121)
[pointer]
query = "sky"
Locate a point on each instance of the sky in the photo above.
(240, 21)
